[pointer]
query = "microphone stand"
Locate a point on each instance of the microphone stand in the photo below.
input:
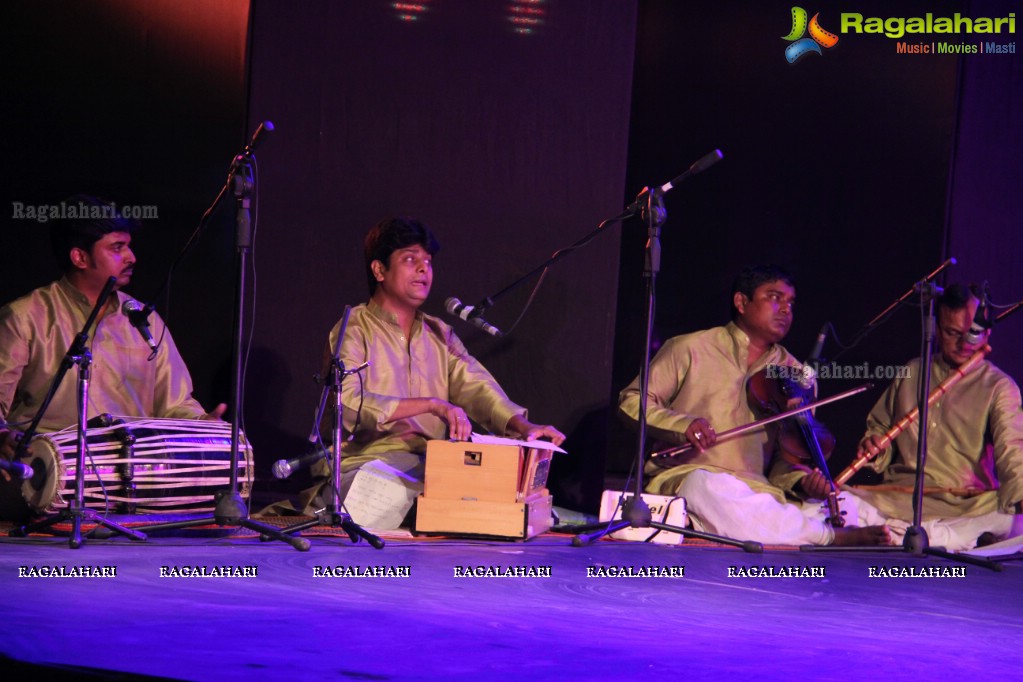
(884, 314)
(636, 512)
(332, 515)
(632, 209)
(80, 355)
(230, 508)
(916, 541)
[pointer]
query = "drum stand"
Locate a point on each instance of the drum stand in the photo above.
(331, 515)
(78, 354)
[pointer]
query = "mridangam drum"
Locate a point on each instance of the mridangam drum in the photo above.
(141, 466)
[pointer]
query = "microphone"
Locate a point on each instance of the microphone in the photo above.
(17, 469)
(818, 346)
(470, 315)
(981, 323)
(698, 166)
(283, 468)
(139, 318)
(262, 132)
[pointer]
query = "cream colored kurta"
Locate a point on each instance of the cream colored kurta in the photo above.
(975, 440)
(704, 374)
(35, 333)
(433, 364)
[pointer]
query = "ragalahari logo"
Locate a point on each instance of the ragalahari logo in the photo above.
(801, 46)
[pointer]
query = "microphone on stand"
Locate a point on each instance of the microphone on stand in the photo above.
(262, 132)
(139, 318)
(808, 377)
(981, 321)
(818, 346)
(470, 315)
(283, 468)
(698, 166)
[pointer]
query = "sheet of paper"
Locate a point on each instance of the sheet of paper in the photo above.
(380, 496)
(496, 440)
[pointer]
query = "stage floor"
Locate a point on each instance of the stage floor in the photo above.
(436, 609)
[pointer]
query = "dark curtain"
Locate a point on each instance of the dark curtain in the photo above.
(836, 167)
(510, 145)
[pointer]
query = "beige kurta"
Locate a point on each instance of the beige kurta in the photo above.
(704, 374)
(433, 364)
(35, 333)
(975, 440)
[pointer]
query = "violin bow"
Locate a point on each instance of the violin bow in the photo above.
(753, 426)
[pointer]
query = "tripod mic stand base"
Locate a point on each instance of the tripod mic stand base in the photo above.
(609, 527)
(230, 509)
(232, 512)
(915, 543)
(334, 519)
(76, 516)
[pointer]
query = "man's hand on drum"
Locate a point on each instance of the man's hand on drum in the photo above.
(8, 446)
(8, 443)
(216, 414)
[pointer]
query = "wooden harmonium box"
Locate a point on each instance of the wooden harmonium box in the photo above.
(489, 486)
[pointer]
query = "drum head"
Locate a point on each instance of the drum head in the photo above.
(40, 491)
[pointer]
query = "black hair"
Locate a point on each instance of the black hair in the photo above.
(957, 296)
(93, 218)
(754, 276)
(392, 234)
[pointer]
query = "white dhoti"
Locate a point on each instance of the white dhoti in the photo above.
(955, 534)
(722, 504)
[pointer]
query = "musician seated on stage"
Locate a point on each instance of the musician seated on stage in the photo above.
(421, 384)
(973, 478)
(697, 388)
(37, 330)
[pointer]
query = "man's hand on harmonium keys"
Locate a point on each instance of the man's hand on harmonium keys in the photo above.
(527, 430)
(459, 426)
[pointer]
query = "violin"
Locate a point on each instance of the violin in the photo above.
(800, 438)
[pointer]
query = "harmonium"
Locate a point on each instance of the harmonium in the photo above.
(494, 487)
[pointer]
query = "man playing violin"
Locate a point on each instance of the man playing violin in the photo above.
(697, 387)
(973, 481)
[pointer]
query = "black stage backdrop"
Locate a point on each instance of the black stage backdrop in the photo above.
(838, 167)
(860, 169)
(986, 202)
(142, 103)
(509, 144)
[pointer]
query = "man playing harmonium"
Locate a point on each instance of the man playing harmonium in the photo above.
(421, 383)
(127, 377)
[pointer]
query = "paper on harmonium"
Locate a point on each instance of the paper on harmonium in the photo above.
(485, 439)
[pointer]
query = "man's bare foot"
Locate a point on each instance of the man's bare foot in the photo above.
(867, 536)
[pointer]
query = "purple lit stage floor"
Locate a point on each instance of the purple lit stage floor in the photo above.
(287, 623)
